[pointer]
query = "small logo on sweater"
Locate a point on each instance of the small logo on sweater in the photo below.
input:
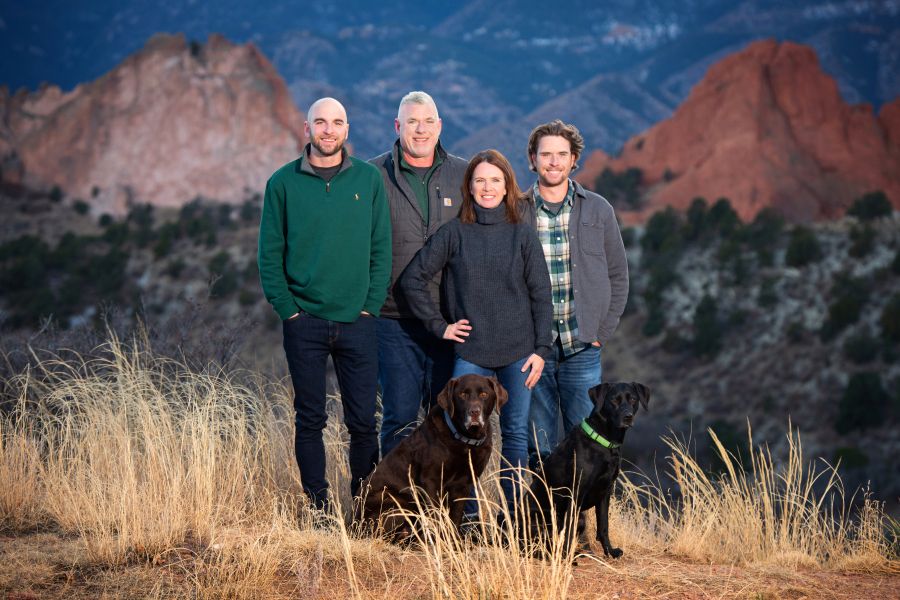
(448, 201)
(356, 196)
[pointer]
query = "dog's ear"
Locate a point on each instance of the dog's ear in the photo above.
(643, 393)
(500, 392)
(445, 398)
(598, 393)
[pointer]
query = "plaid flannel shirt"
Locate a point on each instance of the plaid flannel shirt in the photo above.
(553, 231)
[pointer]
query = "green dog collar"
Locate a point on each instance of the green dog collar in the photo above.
(596, 436)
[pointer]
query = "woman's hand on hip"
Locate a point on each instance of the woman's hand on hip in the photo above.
(458, 332)
(536, 364)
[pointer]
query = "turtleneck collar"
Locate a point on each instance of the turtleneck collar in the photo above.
(490, 216)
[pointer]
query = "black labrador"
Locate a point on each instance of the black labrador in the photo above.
(435, 458)
(589, 457)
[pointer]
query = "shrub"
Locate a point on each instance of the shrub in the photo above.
(662, 233)
(248, 297)
(723, 218)
(107, 271)
(117, 234)
(890, 319)
(695, 226)
(734, 442)
(862, 348)
(763, 234)
(862, 241)
(673, 342)
(850, 457)
(621, 189)
(56, 194)
(81, 207)
(895, 264)
(871, 206)
(767, 297)
(224, 285)
(707, 328)
(863, 403)
(629, 235)
(795, 332)
(175, 268)
(848, 297)
(105, 220)
(803, 248)
(656, 321)
(223, 276)
(250, 209)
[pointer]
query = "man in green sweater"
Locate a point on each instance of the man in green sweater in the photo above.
(324, 263)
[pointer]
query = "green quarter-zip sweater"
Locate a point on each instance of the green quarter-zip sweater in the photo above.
(325, 247)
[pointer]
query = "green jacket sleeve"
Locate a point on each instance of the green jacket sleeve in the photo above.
(270, 254)
(380, 258)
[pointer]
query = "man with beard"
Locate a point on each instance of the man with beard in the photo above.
(589, 279)
(324, 263)
(423, 186)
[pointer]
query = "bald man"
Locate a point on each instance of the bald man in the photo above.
(325, 263)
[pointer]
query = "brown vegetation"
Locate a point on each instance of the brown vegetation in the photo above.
(130, 475)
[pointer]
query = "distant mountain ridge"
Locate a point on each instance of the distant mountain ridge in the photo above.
(492, 66)
(172, 122)
(766, 127)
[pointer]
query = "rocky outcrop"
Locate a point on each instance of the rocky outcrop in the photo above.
(172, 122)
(765, 127)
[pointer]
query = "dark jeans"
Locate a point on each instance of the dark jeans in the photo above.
(413, 368)
(308, 341)
(513, 428)
(562, 389)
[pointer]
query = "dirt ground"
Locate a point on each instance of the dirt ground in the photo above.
(46, 565)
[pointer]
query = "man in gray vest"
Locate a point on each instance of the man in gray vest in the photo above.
(423, 187)
(589, 279)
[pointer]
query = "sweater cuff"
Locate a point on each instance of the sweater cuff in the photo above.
(545, 352)
(286, 309)
(437, 327)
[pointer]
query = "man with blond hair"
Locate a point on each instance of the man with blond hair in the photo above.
(589, 279)
(423, 188)
(324, 263)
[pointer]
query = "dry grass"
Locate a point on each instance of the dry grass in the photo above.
(160, 482)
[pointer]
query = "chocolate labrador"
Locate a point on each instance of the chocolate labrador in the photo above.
(434, 458)
(589, 457)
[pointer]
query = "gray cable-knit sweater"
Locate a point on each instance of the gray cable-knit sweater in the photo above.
(494, 275)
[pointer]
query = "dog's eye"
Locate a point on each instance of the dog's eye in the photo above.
(483, 395)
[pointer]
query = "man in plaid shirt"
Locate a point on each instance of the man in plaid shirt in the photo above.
(589, 275)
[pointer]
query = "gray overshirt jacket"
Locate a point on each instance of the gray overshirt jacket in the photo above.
(409, 230)
(599, 266)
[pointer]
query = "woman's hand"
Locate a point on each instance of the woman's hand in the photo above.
(459, 331)
(536, 364)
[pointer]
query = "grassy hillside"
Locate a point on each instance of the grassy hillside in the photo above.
(131, 475)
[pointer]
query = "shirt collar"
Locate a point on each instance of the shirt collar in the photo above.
(539, 201)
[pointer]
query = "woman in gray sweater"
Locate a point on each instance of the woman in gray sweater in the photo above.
(496, 291)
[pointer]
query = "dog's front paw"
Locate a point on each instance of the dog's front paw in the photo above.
(613, 552)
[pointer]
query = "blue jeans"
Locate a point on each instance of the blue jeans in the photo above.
(413, 368)
(308, 341)
(513, 425)
(563, 387)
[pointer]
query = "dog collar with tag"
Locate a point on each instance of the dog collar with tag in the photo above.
(597, 437)
(465, 440)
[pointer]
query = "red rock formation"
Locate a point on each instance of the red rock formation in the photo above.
(765, 127)
(171, 122)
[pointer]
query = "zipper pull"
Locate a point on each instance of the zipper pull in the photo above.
(327, 187)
